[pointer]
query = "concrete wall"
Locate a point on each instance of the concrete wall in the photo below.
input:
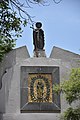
(10, 91)
(64, 55)
(1, 116)
(13, 105)
(6, 73)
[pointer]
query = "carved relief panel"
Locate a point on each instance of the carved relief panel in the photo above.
(36, 86)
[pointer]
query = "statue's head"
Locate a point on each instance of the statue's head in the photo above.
(38, 24)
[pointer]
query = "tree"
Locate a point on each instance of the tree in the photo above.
(71, 89)
(10, 28)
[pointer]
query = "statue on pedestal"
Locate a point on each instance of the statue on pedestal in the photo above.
(38, 37)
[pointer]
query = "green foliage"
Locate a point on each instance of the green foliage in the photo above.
(71, 114)
(71, 89)
(10, 28)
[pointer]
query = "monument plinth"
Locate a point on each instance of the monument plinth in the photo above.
(39, 53)
(27, 85)
(26, 91)
(39, 96)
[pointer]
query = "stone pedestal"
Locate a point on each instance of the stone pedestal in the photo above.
(20, 66)
(1, 116)
(39, 53)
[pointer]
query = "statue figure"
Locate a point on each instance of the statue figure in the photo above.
(38, 37)
(40, 91)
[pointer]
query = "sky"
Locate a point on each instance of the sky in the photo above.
(61, 25)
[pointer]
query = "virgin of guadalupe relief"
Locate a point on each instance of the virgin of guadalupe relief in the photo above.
(40, 88)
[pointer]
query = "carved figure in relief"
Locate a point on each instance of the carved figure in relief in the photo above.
(40, 91)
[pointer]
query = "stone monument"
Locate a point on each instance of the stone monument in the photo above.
(36, 91)
(38, 41)
(26, 90)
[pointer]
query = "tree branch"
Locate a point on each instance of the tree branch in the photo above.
(57, 2)
(21, 10)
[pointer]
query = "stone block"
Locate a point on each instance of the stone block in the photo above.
(39, 73)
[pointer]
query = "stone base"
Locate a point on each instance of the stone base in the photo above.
(1, 116)
(31, 116)
(39, 53)
(11, 90)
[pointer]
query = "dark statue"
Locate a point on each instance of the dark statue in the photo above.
(38, 37)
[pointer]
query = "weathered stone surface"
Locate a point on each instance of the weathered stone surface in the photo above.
(7, 71)
(64, 55)
(39, 53)
(32, 116)
(10, 91)
(1, 116)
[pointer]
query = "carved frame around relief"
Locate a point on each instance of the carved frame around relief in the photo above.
(36, 85)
